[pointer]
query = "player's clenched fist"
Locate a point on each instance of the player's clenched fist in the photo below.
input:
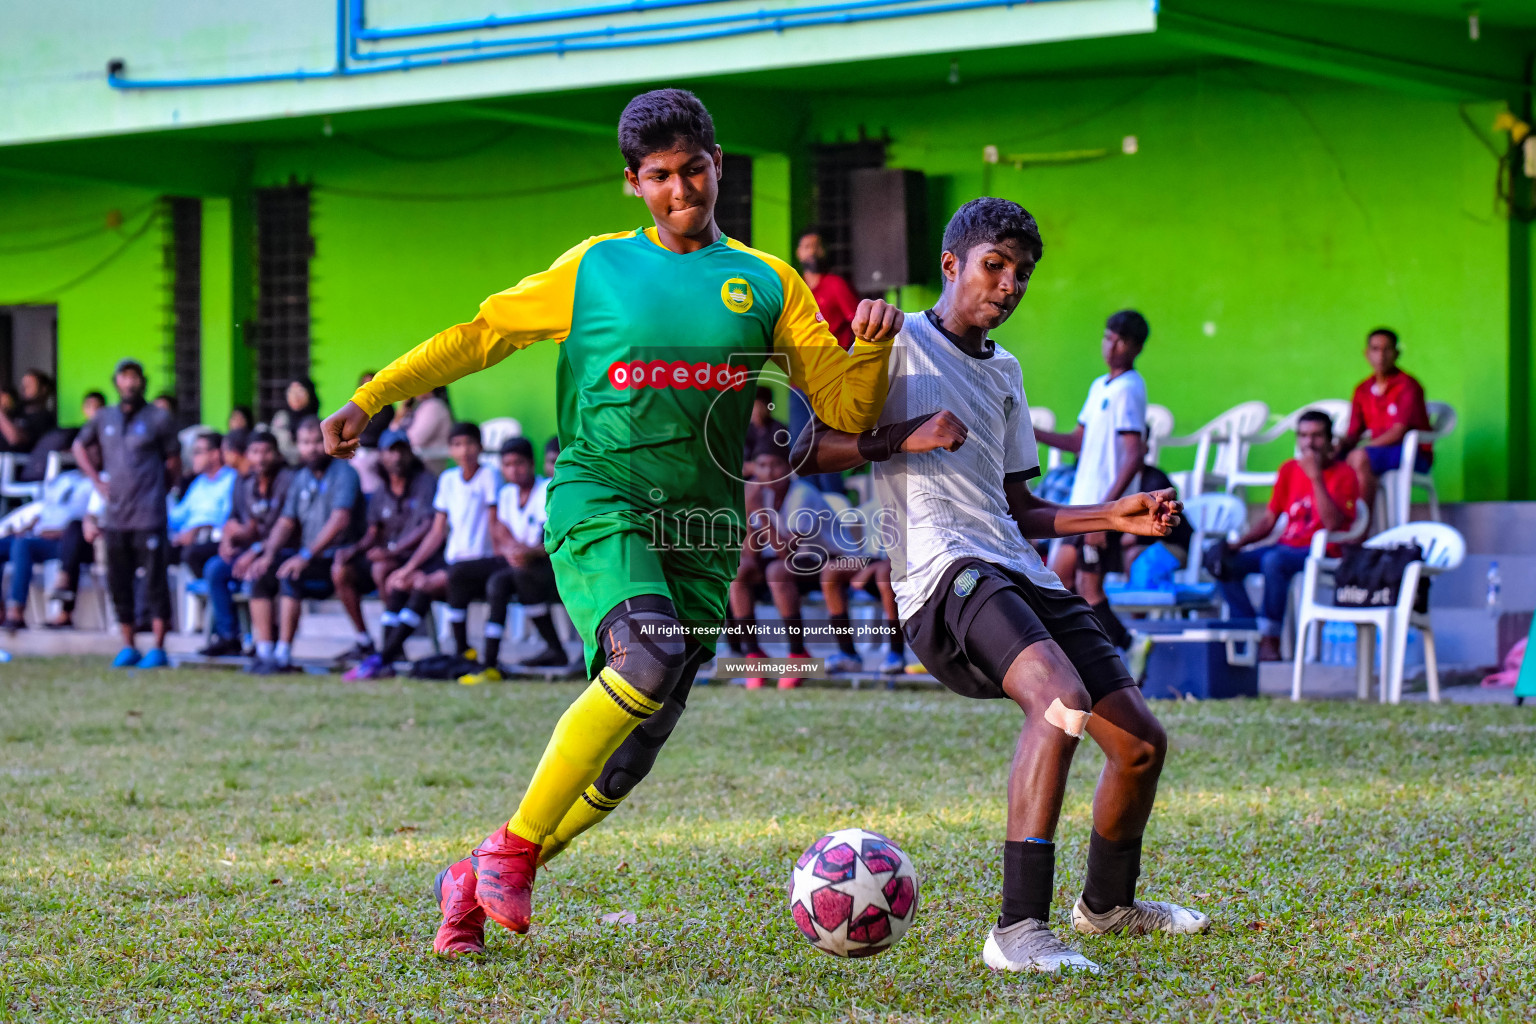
(876, 320)
(941, 430)
(342, 428)
(1153, 514)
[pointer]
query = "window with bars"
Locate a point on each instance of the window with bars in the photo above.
(284, 248)
(184, 337)
(733, 207)
(832, 198)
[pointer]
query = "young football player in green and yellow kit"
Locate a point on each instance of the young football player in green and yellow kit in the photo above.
(663, 332)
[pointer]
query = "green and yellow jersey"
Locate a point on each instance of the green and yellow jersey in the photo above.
(660, 356)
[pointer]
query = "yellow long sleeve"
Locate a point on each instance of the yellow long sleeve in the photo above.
(535, 309)
(846, 389)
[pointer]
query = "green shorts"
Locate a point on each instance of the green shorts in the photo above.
(608, 558)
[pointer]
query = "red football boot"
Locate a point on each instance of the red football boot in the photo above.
(504, 866)
(463, 927)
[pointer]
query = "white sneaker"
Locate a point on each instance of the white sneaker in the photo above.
(840, 663)
(1030, 945)
(1139, 918)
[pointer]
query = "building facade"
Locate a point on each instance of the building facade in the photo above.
(243, 195)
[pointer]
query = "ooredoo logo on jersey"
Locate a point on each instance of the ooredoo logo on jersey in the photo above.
(677, 373)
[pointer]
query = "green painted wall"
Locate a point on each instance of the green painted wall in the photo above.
(109, 284)
(1290, 213)
(1286, 214)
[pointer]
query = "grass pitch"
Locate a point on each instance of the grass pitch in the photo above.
(202, 846)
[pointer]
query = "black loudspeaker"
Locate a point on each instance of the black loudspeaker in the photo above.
(890, 229)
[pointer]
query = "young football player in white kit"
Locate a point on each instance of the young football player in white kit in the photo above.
(982, 612)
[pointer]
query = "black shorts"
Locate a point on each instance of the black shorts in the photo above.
(1100, 560)
(968, 633)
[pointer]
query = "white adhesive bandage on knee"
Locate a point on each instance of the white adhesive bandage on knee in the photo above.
(1067, 720)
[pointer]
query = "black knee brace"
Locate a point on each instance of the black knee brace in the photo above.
(637, 754)
(643, 642)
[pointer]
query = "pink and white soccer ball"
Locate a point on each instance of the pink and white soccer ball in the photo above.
(853, 893)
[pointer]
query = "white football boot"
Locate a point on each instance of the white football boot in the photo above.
(1030, 945)
(1139, 918)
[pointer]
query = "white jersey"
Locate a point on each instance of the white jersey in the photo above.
(468, 504)
(1113, 407)
(524, 522)
(946, 506)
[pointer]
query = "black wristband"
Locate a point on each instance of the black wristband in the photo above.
(878, 444)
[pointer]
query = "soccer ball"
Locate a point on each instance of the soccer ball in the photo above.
(853, 893)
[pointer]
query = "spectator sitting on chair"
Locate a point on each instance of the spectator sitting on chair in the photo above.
(1385, 406)
(761, 426)
(240, 418)
(204, 506)
(524, 572)
(837, 302)
(256, 506)
(873, 576)
(324, 509)
(55, 533)
(1315, 492)
(166, 402)
(791, 547)
(399, 515)
(1110, 440)
(91, 404)
(427, 420)
(300, 402)
(141, 456)
(33, 416)
(460, 533)
(551, 456)
(233, 449)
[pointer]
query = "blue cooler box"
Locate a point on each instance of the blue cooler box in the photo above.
(1212, 659)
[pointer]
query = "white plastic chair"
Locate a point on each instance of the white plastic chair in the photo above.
(1211, 516)
(1397, 484)
(1337, 410)
(1159, 430)
(496, 432)
(1221, 446)
(1045, 419)
(1444, 548)
(10, 488)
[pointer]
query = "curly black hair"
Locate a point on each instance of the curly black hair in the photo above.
(663, 119)
(989, 219)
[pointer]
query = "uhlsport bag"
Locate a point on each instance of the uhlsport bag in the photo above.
(1372, 577)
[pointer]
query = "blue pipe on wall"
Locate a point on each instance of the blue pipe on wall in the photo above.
(845, 13)
(361, 31)
(774, 20)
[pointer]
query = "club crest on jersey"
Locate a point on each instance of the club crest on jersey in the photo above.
(966, 582)
(736, 294)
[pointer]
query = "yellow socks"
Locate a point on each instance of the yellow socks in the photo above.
(591, 808)
(585, 737)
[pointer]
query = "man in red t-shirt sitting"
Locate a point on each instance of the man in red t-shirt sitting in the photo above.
(1386, 405)
(1315, 491)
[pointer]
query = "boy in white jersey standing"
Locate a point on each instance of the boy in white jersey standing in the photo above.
(983, 613)
(1111, 443)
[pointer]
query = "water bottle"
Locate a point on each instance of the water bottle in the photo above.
(1495, 588)
(5, 656)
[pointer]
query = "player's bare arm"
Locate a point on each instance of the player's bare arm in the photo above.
(1144, 514)
(820, 449)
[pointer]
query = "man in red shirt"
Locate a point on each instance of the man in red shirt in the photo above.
(834, 295)
(1386, 405)
(837, 301)
(1315, 491)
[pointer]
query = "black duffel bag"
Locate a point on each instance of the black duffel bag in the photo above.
(1372, 577)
